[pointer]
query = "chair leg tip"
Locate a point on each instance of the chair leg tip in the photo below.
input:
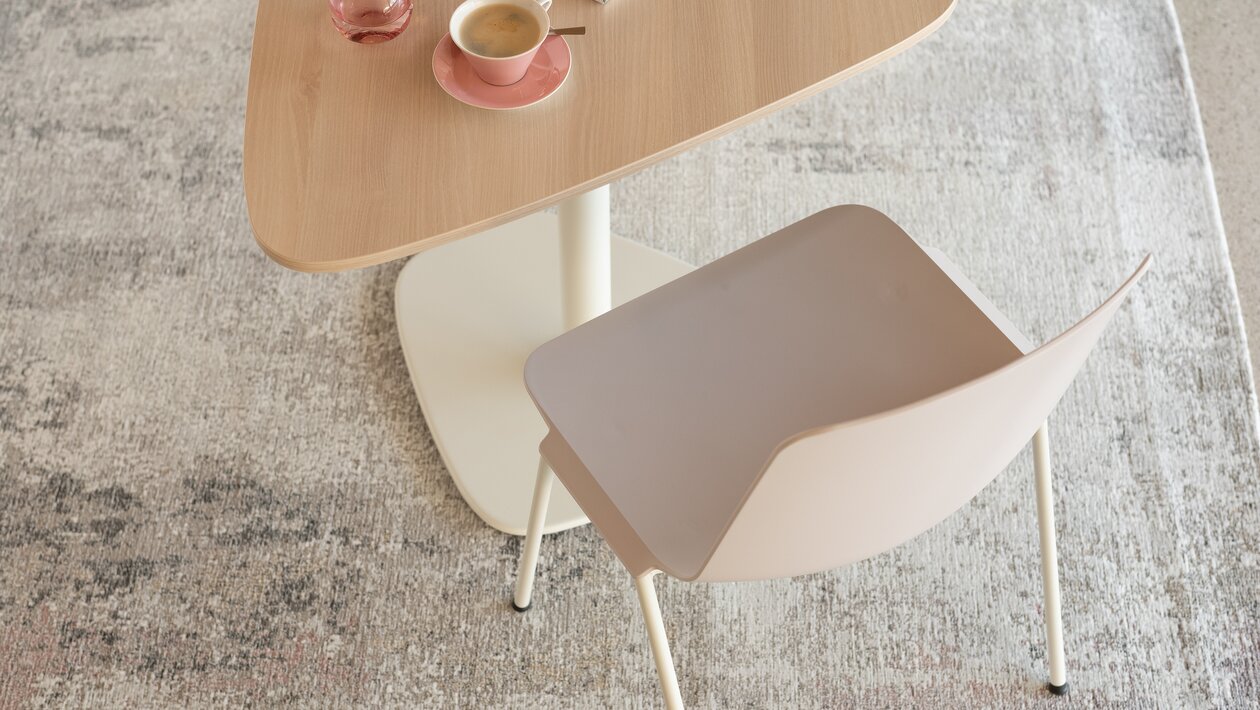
(522, 609)
(1057, 689)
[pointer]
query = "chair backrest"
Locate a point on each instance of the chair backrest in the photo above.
(835, 495)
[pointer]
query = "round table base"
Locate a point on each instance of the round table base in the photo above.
(469, 313)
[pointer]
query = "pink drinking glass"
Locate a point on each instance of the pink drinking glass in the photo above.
(370, 21)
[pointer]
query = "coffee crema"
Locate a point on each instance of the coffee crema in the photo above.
(499, 30)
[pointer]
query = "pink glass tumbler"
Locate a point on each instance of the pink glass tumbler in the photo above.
(370, 21)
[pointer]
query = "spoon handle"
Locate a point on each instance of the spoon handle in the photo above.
(567, 31)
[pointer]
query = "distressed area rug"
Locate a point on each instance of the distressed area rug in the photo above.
(217, 489)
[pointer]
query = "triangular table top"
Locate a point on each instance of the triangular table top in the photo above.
(355, 156)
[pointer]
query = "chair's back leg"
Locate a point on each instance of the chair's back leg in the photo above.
(1049, 562)
(660, 644)
(533, 538)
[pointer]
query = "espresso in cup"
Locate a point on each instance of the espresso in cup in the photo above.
(499, 30)
(500, 38)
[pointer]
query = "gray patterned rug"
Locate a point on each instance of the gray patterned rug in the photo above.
(216, 487)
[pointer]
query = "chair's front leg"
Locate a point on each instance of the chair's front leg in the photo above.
(1049, 561)
(533, 538)
(660, 644)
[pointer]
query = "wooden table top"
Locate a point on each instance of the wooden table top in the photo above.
(355, 156)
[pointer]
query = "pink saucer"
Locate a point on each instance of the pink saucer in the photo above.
(546, 73)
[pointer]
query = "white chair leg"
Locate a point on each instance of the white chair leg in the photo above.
(660, 644)
(522, 600)
(1049, 562)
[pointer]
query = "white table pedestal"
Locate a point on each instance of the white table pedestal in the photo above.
(470, 312)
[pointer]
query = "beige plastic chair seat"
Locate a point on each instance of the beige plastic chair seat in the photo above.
(672, 404)
(811, 400)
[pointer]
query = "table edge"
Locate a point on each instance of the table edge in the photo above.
(404, 250)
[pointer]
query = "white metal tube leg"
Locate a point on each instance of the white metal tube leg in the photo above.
(533, 538)
(586, 256)
(1049, 561)
(586, 288)
(660, 644)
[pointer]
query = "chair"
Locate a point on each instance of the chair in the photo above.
(808, 401)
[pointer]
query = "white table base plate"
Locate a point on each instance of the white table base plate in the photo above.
(469, 313)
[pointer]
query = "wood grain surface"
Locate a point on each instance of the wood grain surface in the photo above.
(355, 156)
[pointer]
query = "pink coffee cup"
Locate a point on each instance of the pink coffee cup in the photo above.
(501, 71)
